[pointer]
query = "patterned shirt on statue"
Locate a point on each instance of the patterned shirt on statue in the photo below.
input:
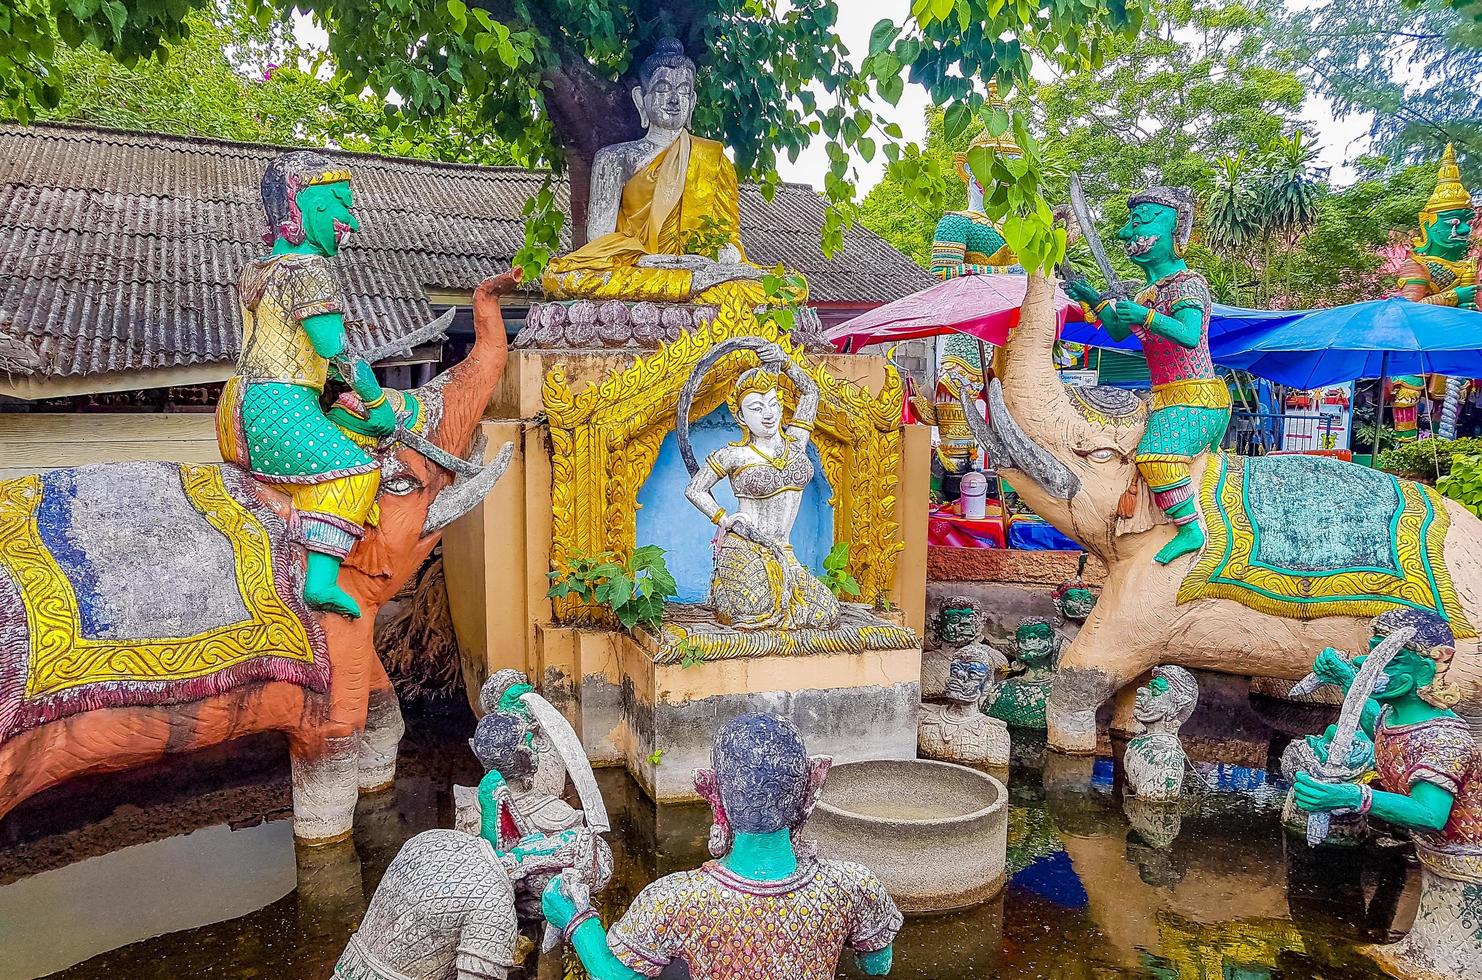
(1442, 752)
(726, 926)
(1169, 361)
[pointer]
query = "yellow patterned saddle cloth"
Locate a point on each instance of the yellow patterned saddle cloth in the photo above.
(143, 584)
(1308, 536)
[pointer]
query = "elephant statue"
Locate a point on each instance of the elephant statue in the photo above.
(148, 609)
(1302, 551)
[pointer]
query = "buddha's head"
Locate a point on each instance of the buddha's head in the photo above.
(1159, 223)
(307, 200)
(1419, 668)
(1035, 642)
(665, 93)
(1446, 219)
(761, 779)
(958, 621)
(971, 674)
(1166, 702)
(757, 404)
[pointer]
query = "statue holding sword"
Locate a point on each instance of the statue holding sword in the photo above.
(1170, 316)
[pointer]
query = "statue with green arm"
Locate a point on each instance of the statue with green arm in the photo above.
(723, 919)
(1170, 317)
(1430, 771)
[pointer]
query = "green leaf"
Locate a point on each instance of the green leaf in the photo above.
(883, 35)
(890, 89)
(955, 121)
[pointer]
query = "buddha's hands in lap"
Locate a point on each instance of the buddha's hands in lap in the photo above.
(718, 272)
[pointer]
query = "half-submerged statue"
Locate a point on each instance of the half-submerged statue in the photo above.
(1430, 774)
(1073, 597)
(1022, 697)
(1170, 316)
(959, 631)
(758, 583)
(663, 217)
(959, 731)
(158, 608)
(1155, 759)
(293, 339)
(767, 908)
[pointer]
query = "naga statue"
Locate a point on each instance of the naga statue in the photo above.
(1022, 697)
(767, 908)
(1439, 271)
(293, 339)
(959, 731)
(1155, 759)
(758, 584)
(967, 243)
(663, 217)
(1170, 316)
(1430, 779)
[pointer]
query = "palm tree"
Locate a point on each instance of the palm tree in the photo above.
(1289, 194)
(1232, 222)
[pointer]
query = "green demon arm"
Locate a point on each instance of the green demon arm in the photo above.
(560, 906)
(1184, 327)
(1427, 807)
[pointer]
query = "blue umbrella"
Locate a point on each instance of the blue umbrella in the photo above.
(1231, 332)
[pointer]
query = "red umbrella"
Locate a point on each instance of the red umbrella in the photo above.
(984, 306)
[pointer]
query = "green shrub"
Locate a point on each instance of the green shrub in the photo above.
(835, 571)
(1426, 460)
(1464, 483)
(634, 591)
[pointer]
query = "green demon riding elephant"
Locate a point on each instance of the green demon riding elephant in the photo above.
(1170, 316)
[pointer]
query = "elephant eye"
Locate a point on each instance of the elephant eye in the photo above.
(1101, 455)
(401, 485)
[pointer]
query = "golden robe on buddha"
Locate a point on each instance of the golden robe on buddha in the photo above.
(663, 212)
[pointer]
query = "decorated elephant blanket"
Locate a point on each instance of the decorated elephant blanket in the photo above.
(145, 583)
(1308, 536)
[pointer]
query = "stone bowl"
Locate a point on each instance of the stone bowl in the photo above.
(935, 833)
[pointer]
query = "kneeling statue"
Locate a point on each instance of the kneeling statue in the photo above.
(1430, 774)
(768, 908)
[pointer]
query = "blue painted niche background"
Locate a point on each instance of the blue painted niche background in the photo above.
(667, 519)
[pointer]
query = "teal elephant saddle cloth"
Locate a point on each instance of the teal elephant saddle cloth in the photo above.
(1309, 536)
(144, 584)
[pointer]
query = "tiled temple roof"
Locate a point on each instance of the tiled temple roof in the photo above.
(119, 251)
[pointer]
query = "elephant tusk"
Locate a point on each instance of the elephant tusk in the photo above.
(464, 495)
(1010, 448)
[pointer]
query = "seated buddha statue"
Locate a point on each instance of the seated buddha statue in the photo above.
(663, 216)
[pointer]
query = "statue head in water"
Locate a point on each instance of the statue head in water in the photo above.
(308, 203)
(1446, 219)
(761, 779)
(970, 674)
(958, 621)
(1166, 702)
(502, 743)
(1035, 643)
(665, 93)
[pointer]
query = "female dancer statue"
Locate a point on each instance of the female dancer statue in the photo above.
(757, 582)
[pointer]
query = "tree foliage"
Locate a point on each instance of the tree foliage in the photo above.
(1414, 64)
(550, 79)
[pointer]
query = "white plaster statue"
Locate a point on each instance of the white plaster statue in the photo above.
(1155, 758)
(958, 731)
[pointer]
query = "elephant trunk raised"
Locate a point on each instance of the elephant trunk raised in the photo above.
(1070, 454)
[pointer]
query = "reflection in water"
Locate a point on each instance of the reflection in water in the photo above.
(1210, 891)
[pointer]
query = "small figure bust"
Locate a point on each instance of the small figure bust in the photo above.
(725, 919)
(958, 731)
(757, 582)
(959, 628)
(1155, 759)
(1073, 597)
(663, 216)
(1021, 699)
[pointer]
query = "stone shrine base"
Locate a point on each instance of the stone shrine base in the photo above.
(644, 705)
